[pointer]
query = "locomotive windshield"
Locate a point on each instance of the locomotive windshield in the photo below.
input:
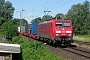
(66, 24)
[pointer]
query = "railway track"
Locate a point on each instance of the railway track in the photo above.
(86, 43)
(82, 44)
(72, 52)
(84, 52)
(79, 51)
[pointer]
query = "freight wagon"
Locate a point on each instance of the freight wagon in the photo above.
(22, 29)
(34, 30)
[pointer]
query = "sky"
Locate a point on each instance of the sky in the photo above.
(36, 8)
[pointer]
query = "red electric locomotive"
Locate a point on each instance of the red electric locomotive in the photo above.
(56, 31)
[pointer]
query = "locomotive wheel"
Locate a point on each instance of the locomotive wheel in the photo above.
(38, 38)
(49, 41)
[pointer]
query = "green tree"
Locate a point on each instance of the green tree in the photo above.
(38, 19)
(21, 22)
(79, 16)
(6, 11)
(60, 15)
(9, 29)
(46, 17)
(17, 21)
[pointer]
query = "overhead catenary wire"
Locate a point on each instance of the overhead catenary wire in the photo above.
(51, 7)
(39, 14)
(43, 4)
(55, 3)
(37, 8)
(29, 14)
(60, 4)
(47, 11)
(44, 7)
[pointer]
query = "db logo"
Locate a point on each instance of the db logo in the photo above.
(63, 31)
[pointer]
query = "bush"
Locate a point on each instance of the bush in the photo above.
(9, 29)
(32, 50)
(36, 51)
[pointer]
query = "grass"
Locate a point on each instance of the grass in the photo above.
(83, 38)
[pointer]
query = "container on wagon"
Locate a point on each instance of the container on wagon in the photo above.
(24, 28)
(29, 28)
(19, 29)
(35, 27)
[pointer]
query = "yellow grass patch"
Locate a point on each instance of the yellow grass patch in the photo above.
(79, 38)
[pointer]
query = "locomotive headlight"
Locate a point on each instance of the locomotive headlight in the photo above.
(58, 31)
(69, 34)
(68, 31)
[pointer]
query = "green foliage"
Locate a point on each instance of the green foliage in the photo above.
(9, 29)
(36, 51)
(19, 40)
(6, 11)
(38, 19)
(32, 50)
(61, 15)
(23, 22)
(79, 14)
(46, 17)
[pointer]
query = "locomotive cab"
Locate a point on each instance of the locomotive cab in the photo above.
(64, 31)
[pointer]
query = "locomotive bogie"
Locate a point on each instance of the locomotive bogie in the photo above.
(64, 39)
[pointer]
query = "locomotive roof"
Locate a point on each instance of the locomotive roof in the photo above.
(48, 21)
(44, 22)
